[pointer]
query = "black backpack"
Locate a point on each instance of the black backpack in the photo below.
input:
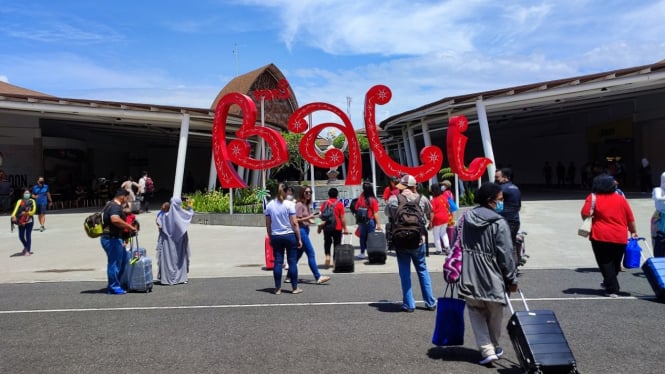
(408, 224)
(361, 212)
(328, 216)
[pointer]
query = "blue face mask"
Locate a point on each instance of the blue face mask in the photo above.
(499, 207)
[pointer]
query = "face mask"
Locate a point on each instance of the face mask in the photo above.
(499, 207)
(289, 197)
(26, 196)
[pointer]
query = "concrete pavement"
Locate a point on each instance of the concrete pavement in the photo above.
(64, 253)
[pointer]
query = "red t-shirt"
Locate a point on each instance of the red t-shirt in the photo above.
(371, 209)
(611, 217)
(339, 211)
(441, 210)
(389, 192)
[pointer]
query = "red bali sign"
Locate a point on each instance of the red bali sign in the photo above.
(238, 150)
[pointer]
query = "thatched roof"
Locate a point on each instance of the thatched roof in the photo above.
(10, 89)
(264, 78)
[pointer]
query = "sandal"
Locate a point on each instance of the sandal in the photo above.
(297, 291)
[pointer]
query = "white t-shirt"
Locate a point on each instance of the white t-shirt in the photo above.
(280, 214)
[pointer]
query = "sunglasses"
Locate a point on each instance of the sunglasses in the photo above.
(308, 192)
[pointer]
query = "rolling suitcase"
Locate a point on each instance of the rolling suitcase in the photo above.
(269, 254)
(139, 269)
(343, 257)
(376, 247)
(539, 342)
(654, 270)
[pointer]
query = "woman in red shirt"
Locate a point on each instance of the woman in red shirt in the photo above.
(368, 201)
(439, 219)
(612, 219)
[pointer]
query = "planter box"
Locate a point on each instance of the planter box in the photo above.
(225, 219)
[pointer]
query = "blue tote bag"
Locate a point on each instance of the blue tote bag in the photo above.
(633, 255)
(449, 325)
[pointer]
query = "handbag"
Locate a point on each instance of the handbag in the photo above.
(452, 206)
(585, 228)
(452, 267)
(633, 255)
(449, 324)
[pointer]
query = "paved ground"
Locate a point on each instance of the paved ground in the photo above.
(55, 318)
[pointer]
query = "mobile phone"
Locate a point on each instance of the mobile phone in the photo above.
(317, 213)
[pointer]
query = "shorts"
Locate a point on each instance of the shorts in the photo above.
(41, 209)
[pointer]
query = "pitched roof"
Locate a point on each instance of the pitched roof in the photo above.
(10, 89)
(264, 78)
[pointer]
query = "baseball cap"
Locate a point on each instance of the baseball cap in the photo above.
(407, 181)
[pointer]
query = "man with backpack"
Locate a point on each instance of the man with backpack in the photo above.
(332, 222)
(408, 211)
(146, 191)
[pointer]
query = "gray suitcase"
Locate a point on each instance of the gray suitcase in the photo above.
(139, 269)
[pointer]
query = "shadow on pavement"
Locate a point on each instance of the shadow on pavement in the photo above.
(101, 290)
(387, 307)
(584, 291)
(459, 354)
(587, 270)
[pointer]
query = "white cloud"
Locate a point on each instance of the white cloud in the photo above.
(3, 78)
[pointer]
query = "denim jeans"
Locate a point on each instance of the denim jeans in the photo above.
(404, 259)
(285, 244)
(117, 259)
(25, 235)
(365, 229)
(308, 249)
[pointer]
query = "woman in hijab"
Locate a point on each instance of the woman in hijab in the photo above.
(612, 219)
(658, 219)
(173, 243)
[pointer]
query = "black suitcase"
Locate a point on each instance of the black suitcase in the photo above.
(343, 260)
(539, 342)
(376, 247)
(654, 271)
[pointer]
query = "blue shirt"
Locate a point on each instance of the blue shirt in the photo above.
(512, 202)
(40, 192)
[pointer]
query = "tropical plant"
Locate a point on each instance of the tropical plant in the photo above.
(245, 200)
(296, 161)
(338, 142)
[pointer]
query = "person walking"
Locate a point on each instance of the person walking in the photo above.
(146, 191)
(282, 227)
(333, 223)
(42, 195)
(391, 189)
(112, 241)
(512, 204)
(488, 269)
(612, 219)
(22, 217)
(439, 219)
(368, 205)
(406, 256)
(305, 218)
(173, 242)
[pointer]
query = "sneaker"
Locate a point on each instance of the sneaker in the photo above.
(322, 279)
(287, 279)
(361, 256)
(431, 308)
(446, 251)
(407, 310)
(612, 295)
(438, 252)
(41, 229)
(277, 291)
(297, 291)
(488, 359)
(498, 351)
(116, 291)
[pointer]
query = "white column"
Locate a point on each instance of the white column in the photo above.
(407, 148)
(485, 135)
(212, 176)
(412, 146)
(428, 141)
(372, 161)
(256, 174)
(182, 155)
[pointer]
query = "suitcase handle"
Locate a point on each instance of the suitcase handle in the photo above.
(350, 235)
(510, 305)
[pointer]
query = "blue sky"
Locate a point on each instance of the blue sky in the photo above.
(182, 53)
